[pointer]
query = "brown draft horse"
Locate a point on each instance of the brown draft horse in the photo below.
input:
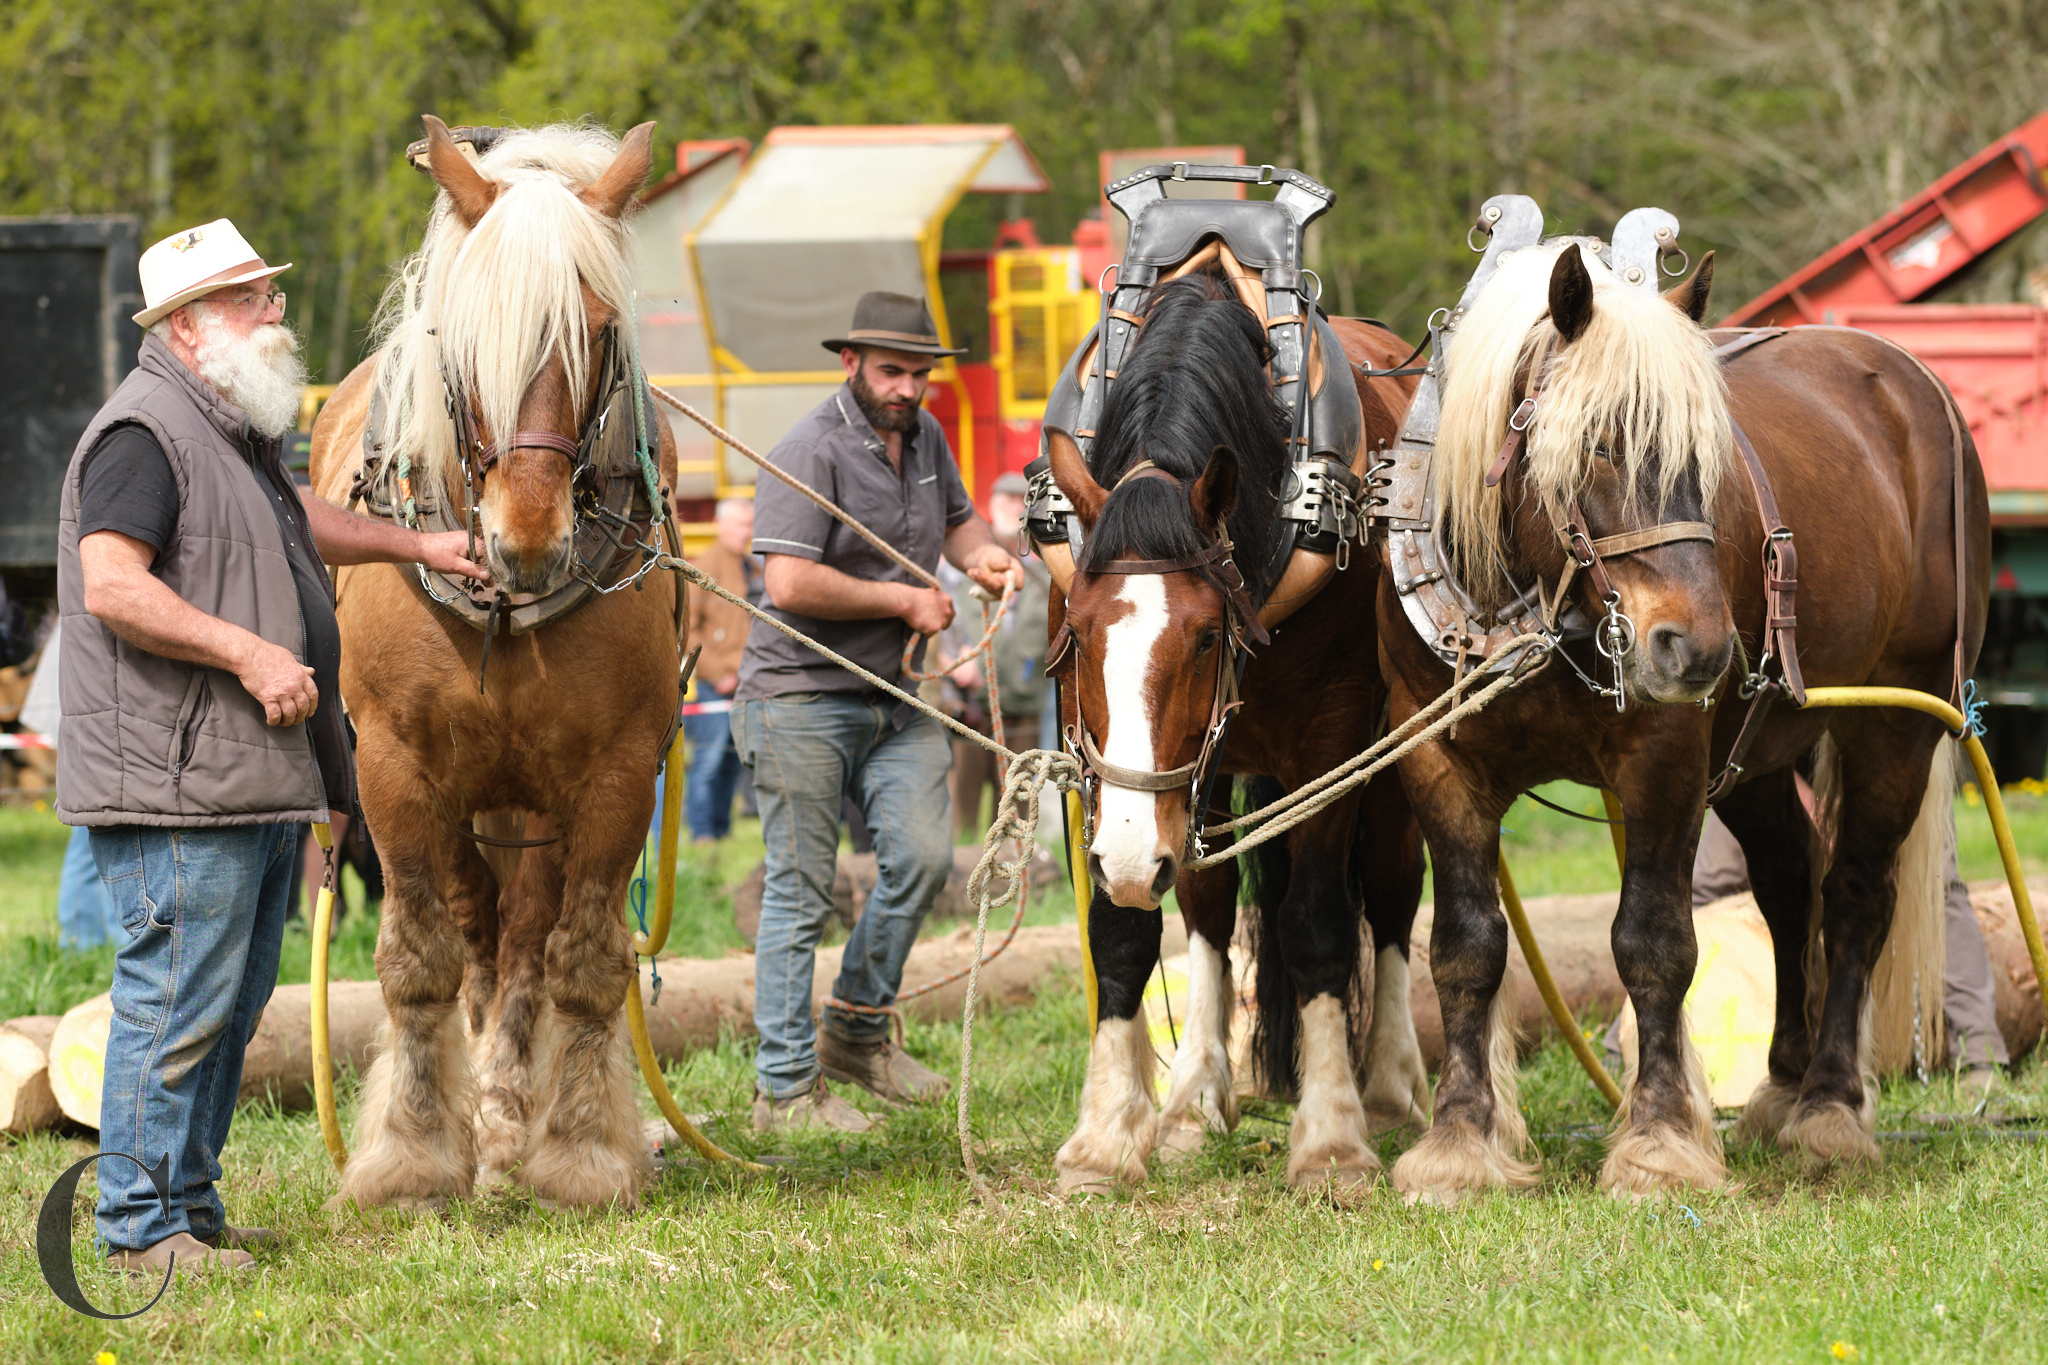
(508, 302)
(1193, 398)
(1633, 428)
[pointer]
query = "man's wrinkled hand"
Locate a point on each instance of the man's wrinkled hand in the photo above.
(281, 685)
(994, 568)
(926, 610)
(447, 553)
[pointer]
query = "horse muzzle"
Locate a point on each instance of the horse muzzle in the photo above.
(1672, 664)
(538, 571)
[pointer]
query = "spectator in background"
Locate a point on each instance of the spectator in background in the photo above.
(1020, 667)
(721, 628)
(1968, 1003)
(85, 913)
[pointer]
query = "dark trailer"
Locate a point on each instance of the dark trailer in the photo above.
(68, 288)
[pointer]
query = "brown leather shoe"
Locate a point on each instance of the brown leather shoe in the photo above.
(879, 1067)
(192, 1254)
(817, 1107)
(241, 1239)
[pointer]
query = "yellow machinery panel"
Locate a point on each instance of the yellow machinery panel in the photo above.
(1039, 309)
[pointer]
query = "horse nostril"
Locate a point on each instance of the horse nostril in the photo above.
(1162, 880)
(1670, 648)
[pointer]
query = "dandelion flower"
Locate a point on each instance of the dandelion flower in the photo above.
(1379, 1265)
(104, 1358)
(258, 1315)
(1842, 1350)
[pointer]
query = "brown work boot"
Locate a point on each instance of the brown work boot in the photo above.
(879, 1067)
(817, 1107)
(242, 1239)
(192, 1254)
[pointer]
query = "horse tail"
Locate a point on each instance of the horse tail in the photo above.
(1263, 874)
(1906, 988)
(1902, 1018)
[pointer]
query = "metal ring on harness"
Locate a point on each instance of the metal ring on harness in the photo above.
(1684, 262)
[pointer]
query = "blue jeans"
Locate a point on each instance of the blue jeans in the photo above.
(714, 773)
(85, 914)
(203, 911)
(807, 752)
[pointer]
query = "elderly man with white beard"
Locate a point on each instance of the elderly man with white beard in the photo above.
(201, 715)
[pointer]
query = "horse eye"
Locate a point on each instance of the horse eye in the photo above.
(1205, 642)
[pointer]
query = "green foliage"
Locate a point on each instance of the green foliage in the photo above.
(1771, 130)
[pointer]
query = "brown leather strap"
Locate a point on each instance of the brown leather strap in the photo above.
(486, 839)
(1752, 726)
(1665, 533)
(1781, 571)
(544, 440)
(1519, 422)
(1131, 779)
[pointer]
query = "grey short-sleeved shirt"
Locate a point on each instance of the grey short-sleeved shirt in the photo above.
(836, 451)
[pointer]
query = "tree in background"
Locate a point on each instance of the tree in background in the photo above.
(1772, 129)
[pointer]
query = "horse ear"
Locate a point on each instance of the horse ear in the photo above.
(468, 189)
(1070, 472)
(1571, 295)
(611, 192)
(1690, 296)
(1214, 496)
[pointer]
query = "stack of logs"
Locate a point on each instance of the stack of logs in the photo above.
(50, 1068)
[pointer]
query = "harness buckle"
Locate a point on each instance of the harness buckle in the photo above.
(1524, 413)
(1572, 542)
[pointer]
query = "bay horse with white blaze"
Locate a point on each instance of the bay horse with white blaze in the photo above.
(504, 342)
(1625, 474)
(1187, 470)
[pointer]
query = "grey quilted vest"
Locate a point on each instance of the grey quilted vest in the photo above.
(149, 740)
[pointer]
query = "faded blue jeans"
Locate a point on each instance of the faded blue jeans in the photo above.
(807, 751)
(85, 917)
(714, 774)
(203, 911)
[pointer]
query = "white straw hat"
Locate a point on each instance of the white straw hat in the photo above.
(197, 261)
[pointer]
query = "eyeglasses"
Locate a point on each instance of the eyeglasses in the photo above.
(259, 302)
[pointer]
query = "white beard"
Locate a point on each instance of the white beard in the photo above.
(261, 373)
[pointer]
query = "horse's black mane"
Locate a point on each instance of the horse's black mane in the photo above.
(1195, 380)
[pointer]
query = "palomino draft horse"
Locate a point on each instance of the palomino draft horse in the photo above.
(1187, 470)
(1625, 473)
(515, 317)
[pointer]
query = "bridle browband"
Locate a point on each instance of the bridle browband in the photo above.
(1215, 564)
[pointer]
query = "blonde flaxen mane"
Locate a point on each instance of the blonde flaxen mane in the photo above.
(486, 304)
(1642, 377)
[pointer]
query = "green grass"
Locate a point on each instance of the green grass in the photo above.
(869, 1248)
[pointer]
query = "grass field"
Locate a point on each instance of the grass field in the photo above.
(869, 1248)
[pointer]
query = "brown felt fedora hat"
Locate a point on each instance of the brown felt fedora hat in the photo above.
(893, 322)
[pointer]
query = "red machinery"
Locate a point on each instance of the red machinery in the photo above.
(1994, 358)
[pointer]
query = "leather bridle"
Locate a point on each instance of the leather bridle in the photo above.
(1241, 625)
(478, 458)
(1615, 637)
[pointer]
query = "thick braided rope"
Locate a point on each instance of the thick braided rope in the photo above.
(922, 574)
(1289, 811)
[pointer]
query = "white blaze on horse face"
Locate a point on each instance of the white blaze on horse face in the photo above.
(1127, 822)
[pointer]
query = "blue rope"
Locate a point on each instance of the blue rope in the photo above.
(1974, 703)
(636, 896)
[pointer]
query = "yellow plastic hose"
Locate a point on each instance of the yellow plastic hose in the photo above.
(1084, 891)
(1987, 782)
(1547, 988)
(651, 943)
(323, 1054)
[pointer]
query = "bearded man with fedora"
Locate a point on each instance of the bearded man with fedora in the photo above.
(816, 735)
(201, 714)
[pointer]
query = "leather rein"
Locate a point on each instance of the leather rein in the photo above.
(1217, 566)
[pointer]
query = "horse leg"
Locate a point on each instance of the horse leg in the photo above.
(1664, 1134)
(1201, 1099)
(1118, 1122)
(1329, 1145)
(586, 1148)
(1767, 819)
(1477, 1131)
(519, 1016)
(415, 1140)
(1882, 781)
(1389, 851)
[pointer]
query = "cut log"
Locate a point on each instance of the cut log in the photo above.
(78, 1059)
(26, 1102)
(277, 1066)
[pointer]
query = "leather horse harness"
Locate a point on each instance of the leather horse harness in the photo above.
(1242, 628)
